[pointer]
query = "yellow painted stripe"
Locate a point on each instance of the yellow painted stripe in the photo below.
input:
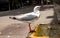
(32, 35)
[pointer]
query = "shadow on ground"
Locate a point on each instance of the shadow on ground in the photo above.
(24, 10)
(50, 30)
(54, 21)
(17, 11)
(54, 31)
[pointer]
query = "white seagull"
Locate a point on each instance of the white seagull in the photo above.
(29, 16)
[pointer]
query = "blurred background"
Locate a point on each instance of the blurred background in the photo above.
(15, 4)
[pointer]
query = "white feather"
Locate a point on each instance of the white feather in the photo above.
(29, 16)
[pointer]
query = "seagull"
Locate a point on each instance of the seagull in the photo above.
(29, 16)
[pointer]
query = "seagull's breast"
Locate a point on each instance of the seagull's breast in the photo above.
(37, 13)
(26, 17)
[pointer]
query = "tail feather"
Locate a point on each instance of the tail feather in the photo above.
(12, 17)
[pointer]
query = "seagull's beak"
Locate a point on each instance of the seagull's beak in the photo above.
(12, 17)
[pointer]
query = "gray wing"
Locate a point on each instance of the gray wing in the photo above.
(28, 17)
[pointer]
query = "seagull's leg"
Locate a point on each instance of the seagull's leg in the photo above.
(30, 28)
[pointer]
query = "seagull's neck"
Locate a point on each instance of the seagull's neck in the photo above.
(37, 11)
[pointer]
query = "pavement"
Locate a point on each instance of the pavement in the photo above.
(48, 16)
(10, 28)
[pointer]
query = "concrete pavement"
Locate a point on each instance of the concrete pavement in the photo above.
(48, 16)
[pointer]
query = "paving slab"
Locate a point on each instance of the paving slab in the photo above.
(48, 16)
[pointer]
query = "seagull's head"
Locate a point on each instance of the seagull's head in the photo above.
(36, 8)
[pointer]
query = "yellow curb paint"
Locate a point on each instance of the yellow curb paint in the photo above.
(36, 27)
(32, 35)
